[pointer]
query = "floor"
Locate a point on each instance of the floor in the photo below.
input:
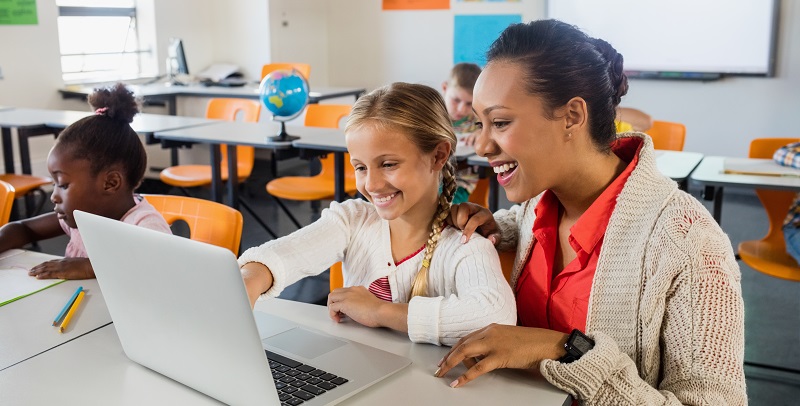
(772, 306)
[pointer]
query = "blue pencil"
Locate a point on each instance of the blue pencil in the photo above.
(66, 306)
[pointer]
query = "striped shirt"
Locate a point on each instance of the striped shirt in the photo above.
(789, 155)
(380, 287)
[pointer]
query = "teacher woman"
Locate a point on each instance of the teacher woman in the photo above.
(627, 291)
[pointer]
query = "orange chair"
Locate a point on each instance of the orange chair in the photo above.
(209, 222)
(28, 186)
(184, 176)
(303, 68)
(336, 277)
(320, 186)
(768, 255)
(6, 201)
(667, 135)
(481, 193)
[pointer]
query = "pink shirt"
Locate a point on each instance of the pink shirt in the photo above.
(143, 214)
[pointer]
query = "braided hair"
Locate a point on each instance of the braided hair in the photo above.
(419, 112)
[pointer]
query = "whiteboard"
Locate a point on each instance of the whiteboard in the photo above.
(680, 38)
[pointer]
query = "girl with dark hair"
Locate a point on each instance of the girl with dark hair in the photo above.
(403, 267)
(627, 289)
(96, 164)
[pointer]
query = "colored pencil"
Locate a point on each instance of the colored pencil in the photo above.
(67, 306)
(72, 311)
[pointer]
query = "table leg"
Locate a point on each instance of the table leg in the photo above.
(338, 162)
(8, 150)
(718, 205)
(233, 178)
(216, 176)
(493, 194)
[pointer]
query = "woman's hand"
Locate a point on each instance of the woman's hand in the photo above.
(359, 304)
(66, 268)
(470, 217)
(257, 280)
(501, 346)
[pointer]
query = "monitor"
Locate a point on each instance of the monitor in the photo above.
(177, 58)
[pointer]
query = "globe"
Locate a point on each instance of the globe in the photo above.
(285, 94)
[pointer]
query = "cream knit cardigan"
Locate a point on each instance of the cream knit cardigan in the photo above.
(665, 310)
(466, 286)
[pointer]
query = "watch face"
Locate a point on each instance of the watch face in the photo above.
(582, 344)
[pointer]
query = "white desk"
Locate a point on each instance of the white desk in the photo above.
(27, 324)
(94, 370)
(5, 108)
(710, 173)
(240, 133)
(677, 165)
(169, 93)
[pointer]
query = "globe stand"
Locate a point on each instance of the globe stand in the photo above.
(283, 136)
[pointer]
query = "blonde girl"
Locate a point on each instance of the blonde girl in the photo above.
(402, 267)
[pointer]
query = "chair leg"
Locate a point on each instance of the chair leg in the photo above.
(257, 218)
(185, 192)
(289, 213)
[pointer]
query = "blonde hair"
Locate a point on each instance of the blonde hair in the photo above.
(419, 112)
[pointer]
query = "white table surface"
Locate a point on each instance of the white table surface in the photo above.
(26, 325)
(5, 108)
(249, 91)
(94, 370)
(243, 133)
(36, 117)
(147, 123)
(710, 173)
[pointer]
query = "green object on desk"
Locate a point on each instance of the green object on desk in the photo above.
(15, 283)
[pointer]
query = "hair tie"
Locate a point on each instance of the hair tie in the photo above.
(101, 111)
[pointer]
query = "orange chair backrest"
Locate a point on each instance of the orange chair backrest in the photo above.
(481, 193)
(667, 135)
(228, 109)
(6, 201)
(303, 68)
(336, 276)
(775, 202)
(209, 222)
(329, 116)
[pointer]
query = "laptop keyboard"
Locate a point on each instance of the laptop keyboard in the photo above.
(297, 382)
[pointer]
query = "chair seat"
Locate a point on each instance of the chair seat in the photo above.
(25, 183)
(193, 175)
(769, 259)
(307, 188)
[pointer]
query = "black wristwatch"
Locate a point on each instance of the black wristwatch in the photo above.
(577, 344)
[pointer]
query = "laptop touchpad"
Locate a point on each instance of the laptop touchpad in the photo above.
(303, 342)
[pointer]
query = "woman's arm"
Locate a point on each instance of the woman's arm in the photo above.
(700, 335)
(500, 228)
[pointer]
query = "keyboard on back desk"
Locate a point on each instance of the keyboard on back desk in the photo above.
(297, 382)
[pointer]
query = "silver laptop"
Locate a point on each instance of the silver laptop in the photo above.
(180, 308)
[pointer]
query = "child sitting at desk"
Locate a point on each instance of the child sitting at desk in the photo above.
(457, 91)
(404, 269)
(789, 155)
(96, 163)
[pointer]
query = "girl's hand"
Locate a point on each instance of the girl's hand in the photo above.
(359, 304)
(470, 217)
(66, 268)
(501, 346)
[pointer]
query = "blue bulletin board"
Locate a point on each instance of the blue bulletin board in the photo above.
(474, 33)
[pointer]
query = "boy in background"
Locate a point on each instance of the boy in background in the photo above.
(457, 91)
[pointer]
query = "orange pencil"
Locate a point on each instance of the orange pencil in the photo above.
(72, 311)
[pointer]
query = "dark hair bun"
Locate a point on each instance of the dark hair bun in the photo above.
(619, 81)
(119, 102)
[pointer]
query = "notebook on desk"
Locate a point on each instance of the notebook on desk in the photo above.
(180, 308)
